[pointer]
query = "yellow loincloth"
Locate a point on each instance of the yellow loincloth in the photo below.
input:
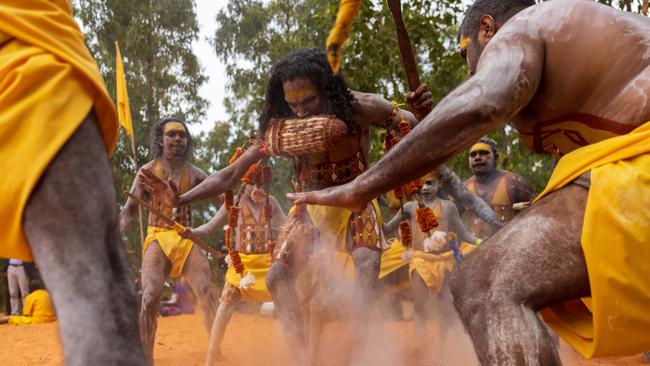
(616, 245)
(432, 268)
(258, 265)
(48, 84)
(176, 248)
(38, 309)
(332, 222)
(391, 259)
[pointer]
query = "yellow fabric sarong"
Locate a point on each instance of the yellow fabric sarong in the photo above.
(48, 83)
(332, 222)
(37, 309)
(616, 244)
(176, 248)
(432, 268)
(391, 259)
(258, 265)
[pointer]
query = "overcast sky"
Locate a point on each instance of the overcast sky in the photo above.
(214, 90)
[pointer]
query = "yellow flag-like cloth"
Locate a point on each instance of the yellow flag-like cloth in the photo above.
(123, 108)
(616, 244)
(48, 84)
(348, 10)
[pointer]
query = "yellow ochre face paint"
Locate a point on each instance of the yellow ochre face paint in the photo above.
(481, 146)
(464, 42)
(173, 126)
(297, 96)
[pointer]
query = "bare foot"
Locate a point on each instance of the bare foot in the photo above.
(216, 356)
(339, 196)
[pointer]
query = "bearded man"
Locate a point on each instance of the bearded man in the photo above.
(165, 252)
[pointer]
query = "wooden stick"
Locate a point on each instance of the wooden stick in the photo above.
(194, 238)
(405, 48)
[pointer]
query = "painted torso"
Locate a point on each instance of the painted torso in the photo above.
(586, 94)
(496, 194)
(252, 231)
(183, 180)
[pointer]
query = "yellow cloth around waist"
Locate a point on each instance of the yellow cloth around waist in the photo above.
(176, 248)
(391, 259)
(37, 309)
(432, 268)
(48, 84)
(258, 265)
(616, 245)
(332, 222)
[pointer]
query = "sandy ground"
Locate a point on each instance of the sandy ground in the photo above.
(257, 341)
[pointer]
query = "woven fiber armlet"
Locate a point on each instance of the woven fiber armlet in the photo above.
(303, 136)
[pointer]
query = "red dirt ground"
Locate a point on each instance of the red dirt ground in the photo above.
(257, 341)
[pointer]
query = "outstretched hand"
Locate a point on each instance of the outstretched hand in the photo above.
(420, 102)
(339, 196)
(165, 192)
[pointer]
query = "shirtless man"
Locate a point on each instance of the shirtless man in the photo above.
(499, 188)
(533, 65)
(252, 244)
(302, 85)
(431, 256)
(58, 125)
(165, 251)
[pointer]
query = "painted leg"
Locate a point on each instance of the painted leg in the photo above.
(155, 268)
(420, 304)
(14, 290)
(533, 261)
(224, 313)
(71, 224)
(197, 273)
(281, 284)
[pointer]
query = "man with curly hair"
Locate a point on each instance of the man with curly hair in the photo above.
(165, 251)
(303, 85)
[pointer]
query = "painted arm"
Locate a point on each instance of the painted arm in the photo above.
(223, 180)
(215, 222)
(212, 186)
(455, 187)
(393, 224)
(130, 209)
(507, 78)
(456, 225)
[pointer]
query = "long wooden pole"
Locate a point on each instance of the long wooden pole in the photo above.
(140, 221)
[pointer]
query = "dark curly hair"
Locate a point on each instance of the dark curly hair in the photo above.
(156, 135)
(310, 63)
